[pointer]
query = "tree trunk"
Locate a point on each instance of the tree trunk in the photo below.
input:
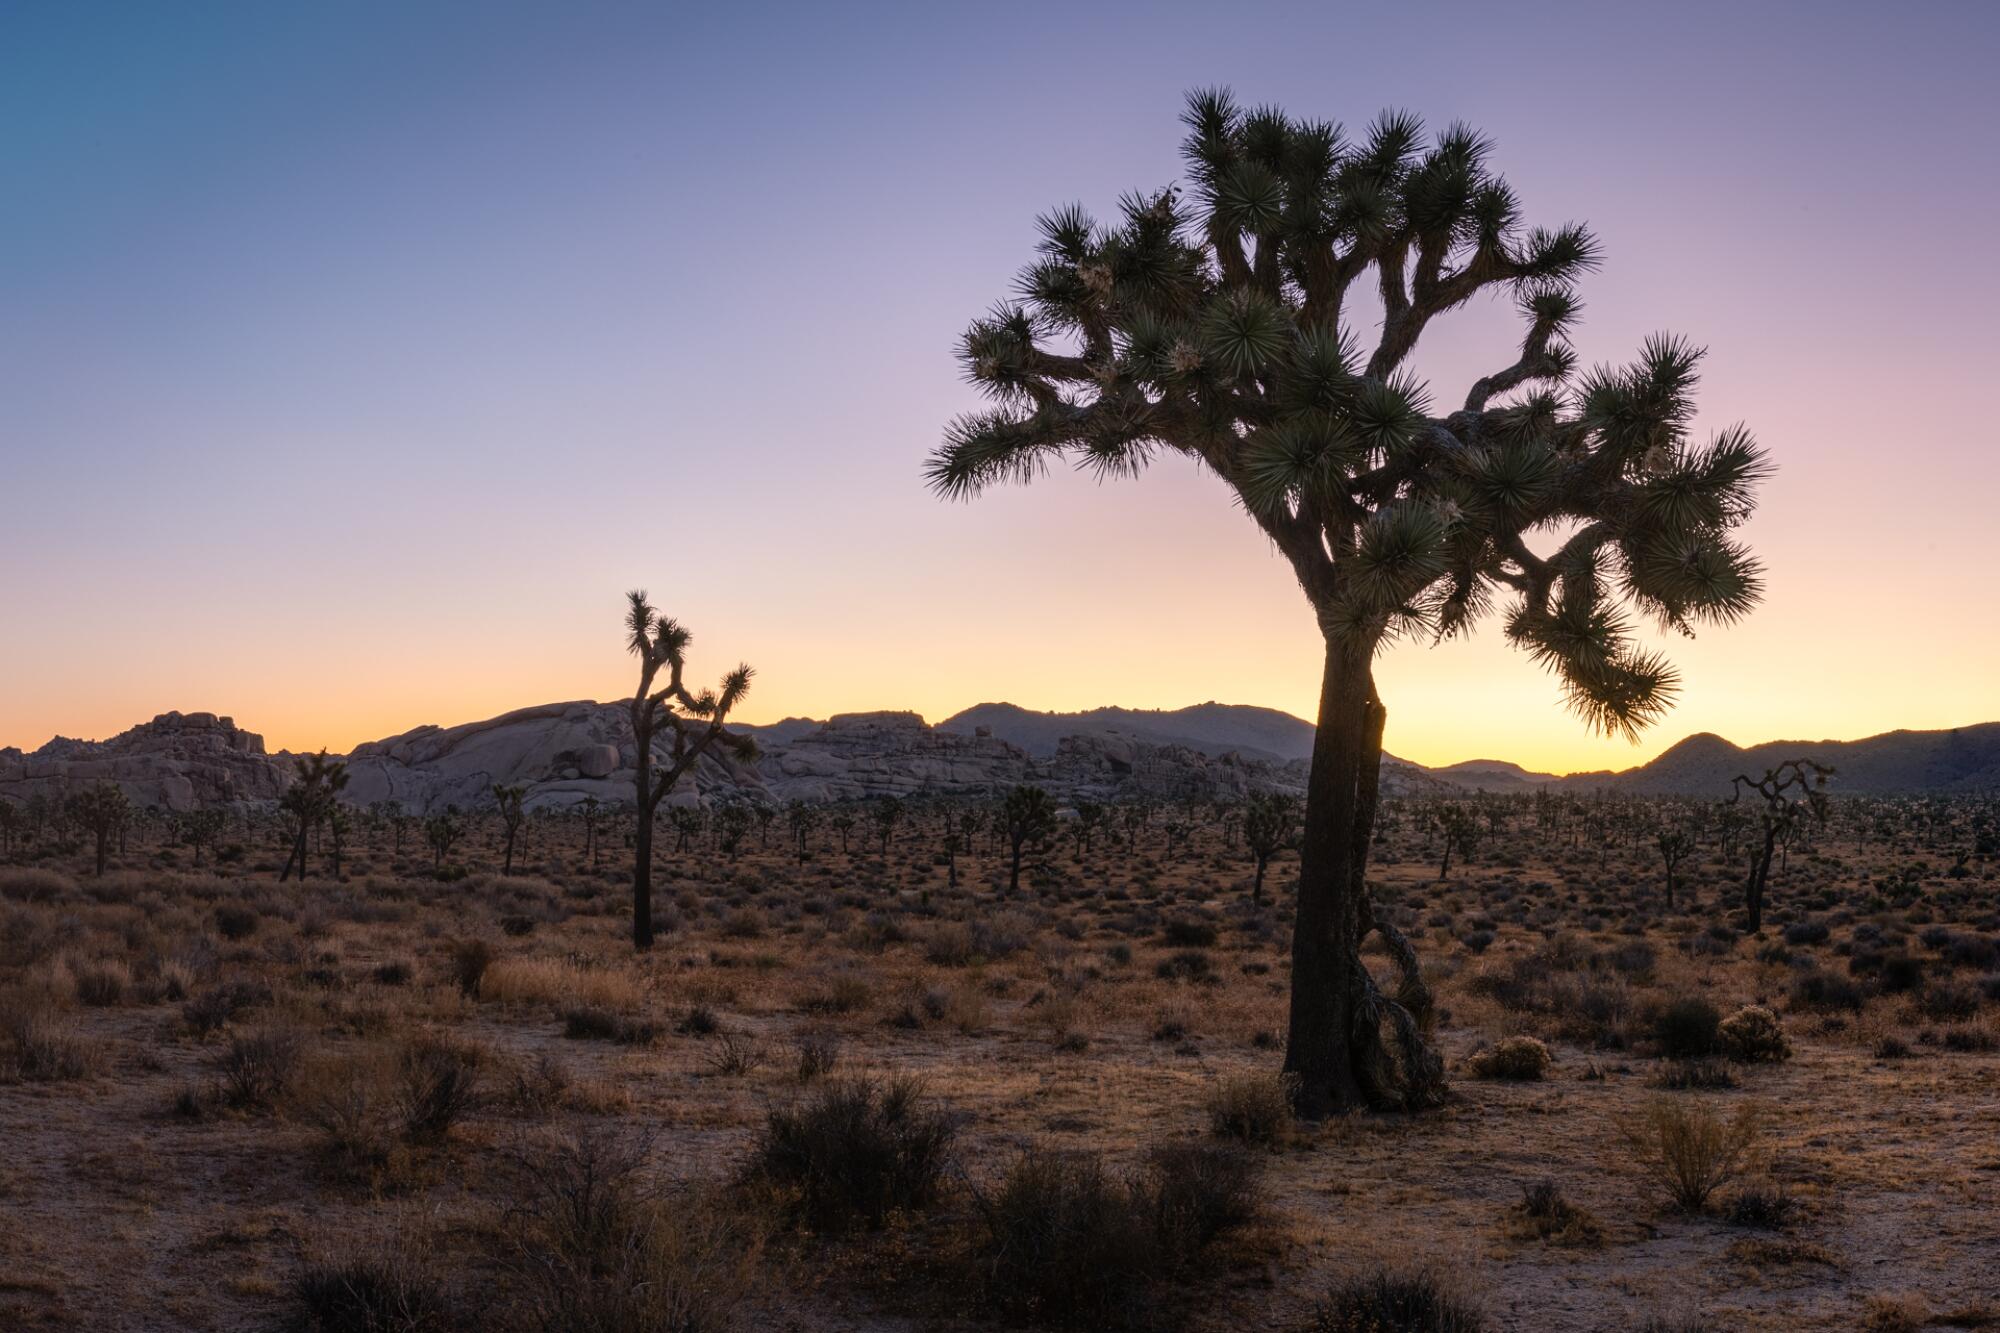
(642, 850)
(1335, 1049)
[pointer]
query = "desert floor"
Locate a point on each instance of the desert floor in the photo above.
(216, 1090)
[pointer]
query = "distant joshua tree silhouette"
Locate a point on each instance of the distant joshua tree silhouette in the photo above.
(1790, 791)
(309, 800)
(1270, 824)
(1028, 818)
(1215, 327)
(696, 721)
(102, 809)
(509, 801)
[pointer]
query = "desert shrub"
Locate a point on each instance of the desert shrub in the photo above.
(1900, 973)
(1002, 934)
(1823, 992)
(1251, 1108)
(1395, 1302)
(603, 1250)
(949, 944)
(390, 1288)
(818, 1053)
(254, 1072)
(220, 1004)
(236, 921)
(843, 994)
(1478, 941)
(393, 973)
(470, 961)
(1806, 932)
(1516, 1059)
(1694, 1075)
(43, 1048)
(1942, 1001)
(1186, 965)
(734, 1055)
(1688, 1149)
(33, 884)
(517, 924)
(1545, 1214)
(856, 1152)
(1763, 1205)
(1688, 1028)
(102, 984)
(1753, 1035)
(1066, 1241)
(586, 1022)
(698, 1021)
(1189, 933)
(559, 981)
(1973, 951)
(1968, 1040)
(438, 1084)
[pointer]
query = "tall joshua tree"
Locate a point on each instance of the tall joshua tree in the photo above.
(308, 801)
(509, 801)
(1215, 325)
(660, 643)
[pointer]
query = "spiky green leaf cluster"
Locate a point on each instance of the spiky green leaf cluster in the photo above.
(1212, 320)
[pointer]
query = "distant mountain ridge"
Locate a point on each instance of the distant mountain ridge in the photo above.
(1211, 728)
(1953, 761)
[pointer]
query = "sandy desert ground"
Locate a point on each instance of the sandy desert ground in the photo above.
(404, 1102)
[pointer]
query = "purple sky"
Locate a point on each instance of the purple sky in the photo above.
(354, 359)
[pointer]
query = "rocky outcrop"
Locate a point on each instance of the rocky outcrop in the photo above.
(177, 761)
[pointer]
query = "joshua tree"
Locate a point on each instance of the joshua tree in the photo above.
(101, 808)
(12, 821)
(308, 801)
(1790, 791)
(1674, 843)
(687, 821)
(508, 800)
(588, 806)
(1027, 817)
(888, 813)
(1215, 326)
(442, 832)
(660, 643)
(1459, 832)
(1270, 824)
(842, 821)
(803, 819)
(732, 825)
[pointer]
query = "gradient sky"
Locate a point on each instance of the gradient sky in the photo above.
(355, 358)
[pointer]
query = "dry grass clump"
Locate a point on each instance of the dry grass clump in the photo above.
(255, 1071)
(1516, 1059)
(379, 1288)
(855, 1153)
(43, 1047)
(1387, 1301)
(1753, 1035)
(1545, 1214)
(1688, 1149)
(1252, 1108)
(34, 884)
(601, 1248)
(1063, 1240)
(558, 981)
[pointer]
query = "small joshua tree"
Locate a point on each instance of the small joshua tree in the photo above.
(317, 785)
(1028, 817)
(1458, 830)
(508, 800)
(1270, 824)
(200, 828)
(802, 819)
(588, 808)
(1790, 792)
(696, 721)
(1214, 325)
(101, 808)
(442, 832)
(1675, 843)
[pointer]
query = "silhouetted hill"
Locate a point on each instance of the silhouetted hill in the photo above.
(1960, 760)
(1211, 728)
